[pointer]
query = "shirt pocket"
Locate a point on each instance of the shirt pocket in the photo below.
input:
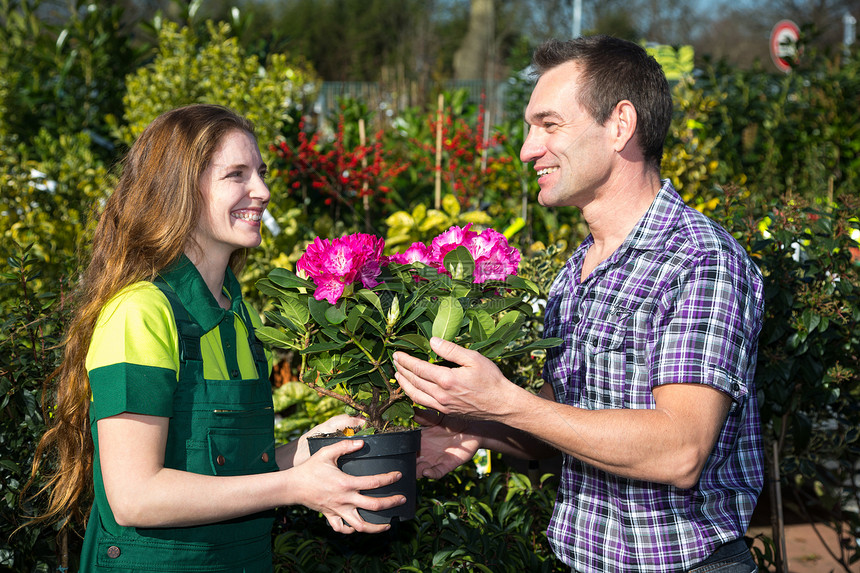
(606, 362)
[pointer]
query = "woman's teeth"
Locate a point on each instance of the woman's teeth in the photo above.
(247, 216)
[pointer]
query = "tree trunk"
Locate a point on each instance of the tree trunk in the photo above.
(470, 61)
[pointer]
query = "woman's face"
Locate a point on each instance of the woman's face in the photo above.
(235, 195)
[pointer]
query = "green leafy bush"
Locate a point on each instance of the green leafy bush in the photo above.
(464, 522)
(809, 350)
(32, 325)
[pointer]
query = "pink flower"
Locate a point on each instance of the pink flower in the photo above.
(494, 258)
(335, 264)
(448, 241)
(417, 253)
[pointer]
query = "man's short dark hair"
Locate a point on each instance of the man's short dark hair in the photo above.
(614, 70)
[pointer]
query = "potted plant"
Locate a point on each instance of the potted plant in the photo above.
(350, 308)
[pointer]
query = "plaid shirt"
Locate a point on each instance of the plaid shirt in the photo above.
(679, 302)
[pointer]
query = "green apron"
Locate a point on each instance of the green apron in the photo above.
(220, 428)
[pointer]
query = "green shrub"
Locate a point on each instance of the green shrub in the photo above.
(32, 324)
(463, 522)
(49, 193)
(809, 350)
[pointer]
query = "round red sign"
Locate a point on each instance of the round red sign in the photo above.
(783, 44)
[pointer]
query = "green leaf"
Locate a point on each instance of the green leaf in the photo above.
(410, 341)
(520, 283)
(274, 337)
(536, 345)
(496, 305)
(268, 288)
(295, 309)
(281, 321)
(449, 317)
(288, 279)
(460, 264)
(481, 324)
(413, 314)
(322, 347)
(335, 315)
(399, 410)
(372, 298)
(354, 317)
(317, 309)
(507, 329)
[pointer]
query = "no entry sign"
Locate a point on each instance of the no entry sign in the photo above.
(783, 43)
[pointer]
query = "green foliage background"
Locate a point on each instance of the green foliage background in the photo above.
(774, 158)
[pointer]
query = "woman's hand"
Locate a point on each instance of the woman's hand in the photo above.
(330, 426)
(337, 495)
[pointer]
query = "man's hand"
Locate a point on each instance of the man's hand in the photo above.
(445, 443)
(475, 390)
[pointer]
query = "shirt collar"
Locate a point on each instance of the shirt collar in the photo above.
(652, 230)
(649, 234)
(185, 280)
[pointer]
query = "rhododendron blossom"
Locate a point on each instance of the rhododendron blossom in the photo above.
(448, 241)
(335, 264)
(416, 253)
(494, 259)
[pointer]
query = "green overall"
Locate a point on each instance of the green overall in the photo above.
(219, 428)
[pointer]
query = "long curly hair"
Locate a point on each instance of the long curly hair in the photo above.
(146, 224)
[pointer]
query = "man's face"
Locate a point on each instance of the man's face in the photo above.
(570, 152)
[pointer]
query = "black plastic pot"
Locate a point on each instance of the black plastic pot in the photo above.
(381, 453)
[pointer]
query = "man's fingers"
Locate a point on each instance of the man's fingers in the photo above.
(414, 387)
(451, 351)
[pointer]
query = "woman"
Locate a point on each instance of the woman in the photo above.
(163, 400)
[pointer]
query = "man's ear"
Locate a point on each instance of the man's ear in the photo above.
(624, 124)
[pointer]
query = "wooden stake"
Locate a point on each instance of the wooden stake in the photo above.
(362, 139)
(777, 519)
(439, 107)
(485, 142)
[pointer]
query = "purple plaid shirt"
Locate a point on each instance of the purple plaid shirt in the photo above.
(679, 302)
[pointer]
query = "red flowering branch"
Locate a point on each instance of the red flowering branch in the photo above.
(465, 158)
(346, 178)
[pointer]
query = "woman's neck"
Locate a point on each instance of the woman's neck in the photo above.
(212, 270)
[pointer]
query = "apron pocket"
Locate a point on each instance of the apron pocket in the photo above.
(234, 451)
(148, 554)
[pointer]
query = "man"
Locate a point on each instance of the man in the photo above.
(650, 398)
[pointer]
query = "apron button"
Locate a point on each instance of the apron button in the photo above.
(265, 457)
(220, 460)
(113, 551)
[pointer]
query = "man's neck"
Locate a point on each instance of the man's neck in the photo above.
(615, 212)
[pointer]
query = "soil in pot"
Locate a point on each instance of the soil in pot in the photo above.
(381, 453)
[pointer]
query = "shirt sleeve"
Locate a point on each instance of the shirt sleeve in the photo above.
(708, 326)
(133, 359)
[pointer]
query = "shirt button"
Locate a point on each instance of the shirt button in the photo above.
(575, 319)
(234, 374)
(227, 344)
(736, 387)
(113, 551)
(265, 457)
(220, 460)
